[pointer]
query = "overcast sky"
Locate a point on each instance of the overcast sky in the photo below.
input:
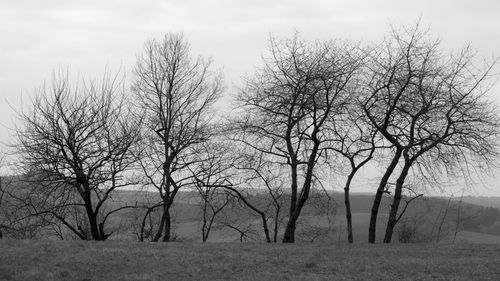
(86, 36)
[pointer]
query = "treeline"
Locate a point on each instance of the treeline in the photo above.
(310, 111)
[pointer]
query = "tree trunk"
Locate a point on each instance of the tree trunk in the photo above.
(204, 234)
(264, 226)
(348, 214)
(94, 227)
(167, 226)
(207, 227)
(159, 232)
(92, 217)
(276, 224)
(391, 223)
(378, 196)
(289, 236)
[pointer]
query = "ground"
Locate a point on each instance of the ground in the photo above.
(113, 260)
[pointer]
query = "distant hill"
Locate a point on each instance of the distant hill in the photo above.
(427, 217)
(482, 201)
(477, 237)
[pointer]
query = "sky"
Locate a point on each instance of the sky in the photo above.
(85, 37)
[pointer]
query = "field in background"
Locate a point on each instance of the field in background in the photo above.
(423, 214)
(112, 260)
(424, 218)
(190, 231)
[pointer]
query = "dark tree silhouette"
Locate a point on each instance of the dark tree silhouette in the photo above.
(287, 105)
(175, 93)
(431, 107)
(74, 143)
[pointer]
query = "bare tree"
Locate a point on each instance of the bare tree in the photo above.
(287, 106)
(431, 107)
(175, 93)
(74, 144)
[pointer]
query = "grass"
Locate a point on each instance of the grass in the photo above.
(113, 260)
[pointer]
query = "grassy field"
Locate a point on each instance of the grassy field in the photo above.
(189, 231)
(84, 261)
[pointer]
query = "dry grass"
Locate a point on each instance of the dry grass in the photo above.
(77, 260)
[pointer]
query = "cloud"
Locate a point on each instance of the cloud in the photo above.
(85, 35)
